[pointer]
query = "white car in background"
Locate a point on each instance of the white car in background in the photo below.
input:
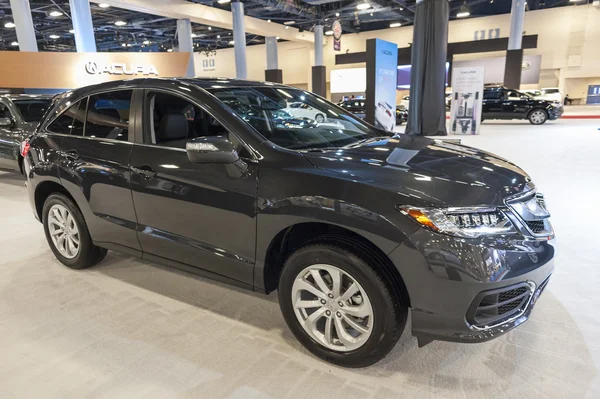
(385, 116)
(302, 110)
(552, 94)
(404, 102)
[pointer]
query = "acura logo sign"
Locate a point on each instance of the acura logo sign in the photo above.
(116, 68)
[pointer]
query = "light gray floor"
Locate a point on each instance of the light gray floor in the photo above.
(125, 329)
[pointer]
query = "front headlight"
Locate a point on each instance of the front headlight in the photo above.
(461, 222)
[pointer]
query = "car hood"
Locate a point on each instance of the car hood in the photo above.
(434, 172)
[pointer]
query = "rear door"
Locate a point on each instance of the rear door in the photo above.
(200, 215)
(516, 104)
(492, 104)
(94, 165)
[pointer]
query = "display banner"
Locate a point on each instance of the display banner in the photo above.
(48, 70)
(384, 91)
(336, 27)
(494, 68)
(467, 96)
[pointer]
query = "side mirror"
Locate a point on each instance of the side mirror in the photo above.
(211, 149)
(6, 122)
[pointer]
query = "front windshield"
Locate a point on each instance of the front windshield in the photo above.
(32, 110)
(294, 118)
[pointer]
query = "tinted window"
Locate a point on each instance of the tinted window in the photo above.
(70, 121)
(108, 115)
(551, 91)
(492, 94)
(4, 111)
(32, 110)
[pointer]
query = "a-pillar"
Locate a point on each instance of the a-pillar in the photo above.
(82, 25)
(186, 44)
(272, 73)
(427, 107)
(514, 54)
(239, 38)
(318, 70)
(23, 25)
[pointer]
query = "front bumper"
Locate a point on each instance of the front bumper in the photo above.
(555, 113)
(446, 276)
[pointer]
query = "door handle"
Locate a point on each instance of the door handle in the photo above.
(71, 155)
(145, 171)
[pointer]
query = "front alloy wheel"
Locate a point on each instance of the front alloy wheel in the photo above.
(538, 117)
(332, 307)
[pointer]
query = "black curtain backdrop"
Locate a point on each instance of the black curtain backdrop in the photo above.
(427, 110)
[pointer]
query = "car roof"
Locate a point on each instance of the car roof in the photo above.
(27, 96)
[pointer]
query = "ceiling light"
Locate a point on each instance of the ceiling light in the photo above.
(9, 25)
(395, 24)
(218, 36)
(268, 20)
(128, 44)
(329, 32)
(194, 35)
(146, 42)
(123, 45)
(55, 13)
(210, 28)
(169, 50)
(54, 37)
(103, 5)
(223, 1)
(337, 14)
(71, 30)
(277, 38)
(287, 27)
(463, 14)
(232, 42)
(575, 1)
(120, 23)
(326, 19)
(363, 6)
(289, 22)
(14, 44)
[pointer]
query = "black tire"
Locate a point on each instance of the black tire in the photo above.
(88, 254)
(535, 112)
(389, 313)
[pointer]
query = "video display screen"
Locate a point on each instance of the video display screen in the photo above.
(404, 76)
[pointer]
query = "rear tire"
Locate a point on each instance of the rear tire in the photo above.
(375, 335)
(75, 249)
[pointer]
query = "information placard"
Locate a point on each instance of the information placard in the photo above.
(467, 97)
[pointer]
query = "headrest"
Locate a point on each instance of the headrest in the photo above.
(173, 126)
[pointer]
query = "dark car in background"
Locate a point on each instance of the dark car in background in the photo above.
(19, 115)
(401, 114)
(351, 224)
(500, 102)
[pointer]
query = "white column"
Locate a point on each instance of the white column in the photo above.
(517, 14)
(272, 60)
(239, 37)
(186, 44)
(82, 24)
(24, 25)
(318, 45)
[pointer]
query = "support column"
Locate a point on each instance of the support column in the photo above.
(186, 44)
(82, 25)
(427, 108)
(23, 25)
(514, 54)
(272, 73)
(239, 37)
(319, 81)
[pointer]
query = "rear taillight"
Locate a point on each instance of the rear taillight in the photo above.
(25, 148)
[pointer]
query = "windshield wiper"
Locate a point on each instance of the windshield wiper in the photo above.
(366, 141)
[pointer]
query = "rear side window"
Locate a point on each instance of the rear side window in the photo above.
(108, 115)
(32, 110)
(70, 121)
(492, 94)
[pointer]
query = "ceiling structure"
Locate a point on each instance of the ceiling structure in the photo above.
(146, 32)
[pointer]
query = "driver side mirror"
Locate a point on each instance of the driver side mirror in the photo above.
(211, 149)
(6, 122)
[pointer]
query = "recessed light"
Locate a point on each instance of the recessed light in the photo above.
(363, 6)
(232, 42)
(277, 38)
(54, 37)
(169, 50)
(210, 28)
(123, 45)
(55, 13)
(146, 42)
(329, 32)
(194, 35)
(223, 1)
(289, 22)
(395, 24)
(128, 44)
(103, 5)
(287, 27)
(120, 23)
(71, 30)
(9, 25)
(268, 20)
(218, 36)
(463, 14)
(14, 44)
(337, 14)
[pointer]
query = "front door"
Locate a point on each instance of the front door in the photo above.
(201, 215)
(515, 104)
(492, 104)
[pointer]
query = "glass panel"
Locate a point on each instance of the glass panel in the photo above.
(108, 115)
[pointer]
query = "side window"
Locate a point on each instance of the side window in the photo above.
(491, 94)
(4, 111)
(171, 121)
(71, 120)
(108, 115)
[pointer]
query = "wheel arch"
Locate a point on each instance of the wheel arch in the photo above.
(43, 190)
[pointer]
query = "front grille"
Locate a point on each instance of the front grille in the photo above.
(536, 226)
(493, 307)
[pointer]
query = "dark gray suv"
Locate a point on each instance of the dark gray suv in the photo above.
(352, 225)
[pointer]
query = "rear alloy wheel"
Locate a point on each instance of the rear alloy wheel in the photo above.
(338, 306)
(67, 233)
(538, 117)
(320, 118)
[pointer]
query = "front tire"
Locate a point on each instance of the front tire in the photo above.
(538, 117)
(319, 118)
(67, 233)
(339, 307)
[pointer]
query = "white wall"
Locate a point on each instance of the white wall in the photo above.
(568, 40)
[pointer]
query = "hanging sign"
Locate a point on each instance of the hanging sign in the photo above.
(337, 35)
